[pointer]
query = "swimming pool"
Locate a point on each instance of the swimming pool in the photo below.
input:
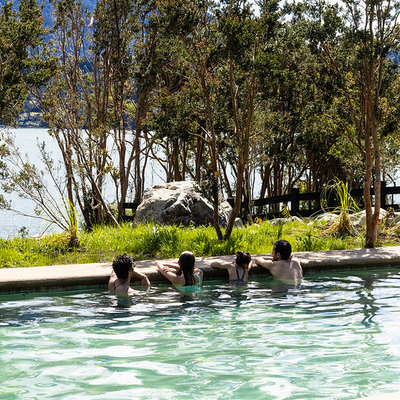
(338, 337)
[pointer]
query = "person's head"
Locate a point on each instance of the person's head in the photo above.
(122, 266)
(281, 250)
(243, 259)
(186, 264)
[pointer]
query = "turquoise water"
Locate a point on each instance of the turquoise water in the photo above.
(338, 337)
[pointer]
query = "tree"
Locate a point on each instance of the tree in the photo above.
(136, 63)
(75, 105)
(246, 45)
(43, 186)
(361, 57)
(222, 47)
(23, 60)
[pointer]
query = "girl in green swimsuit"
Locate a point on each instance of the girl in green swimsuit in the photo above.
(183, 275)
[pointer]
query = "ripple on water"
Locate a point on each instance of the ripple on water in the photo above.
(335, 338)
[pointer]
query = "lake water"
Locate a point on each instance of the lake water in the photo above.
(26, 140)
(335, 338)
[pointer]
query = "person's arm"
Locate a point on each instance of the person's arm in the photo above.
(113, 277)
(143, 278)
(264, 262)
(220, 264)
(174, 267)
(168, 271)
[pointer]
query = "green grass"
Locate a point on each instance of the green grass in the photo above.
(149, 241)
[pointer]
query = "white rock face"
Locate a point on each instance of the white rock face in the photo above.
(178, 203)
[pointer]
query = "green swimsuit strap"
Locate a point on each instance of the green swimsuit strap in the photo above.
(198, 276)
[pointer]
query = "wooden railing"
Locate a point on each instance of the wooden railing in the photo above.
(129, 206)
(308, 204)
(299, 204)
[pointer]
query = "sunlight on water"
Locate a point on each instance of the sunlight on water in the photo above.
(337, 337)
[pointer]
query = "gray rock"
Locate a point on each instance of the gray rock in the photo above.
(327, 217)
(239, 223)
(358, 219)
(276, 221)
(178, 203)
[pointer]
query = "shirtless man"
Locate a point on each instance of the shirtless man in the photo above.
(122, 274)
(283, 265)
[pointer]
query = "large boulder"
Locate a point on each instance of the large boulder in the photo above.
(178, 203)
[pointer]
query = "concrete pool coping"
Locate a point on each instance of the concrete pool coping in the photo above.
(17, 280)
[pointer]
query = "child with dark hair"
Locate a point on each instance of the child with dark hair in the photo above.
(238, 270)
(123, 272)
(283, 265)
(183, 275)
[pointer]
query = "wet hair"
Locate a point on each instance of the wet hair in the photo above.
(243, 259)
(284, 248)
(122, 265)
(186, 264)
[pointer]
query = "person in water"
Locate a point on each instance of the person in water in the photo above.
(123, 272)
(238, 270)
(282, 265)
(183, 275)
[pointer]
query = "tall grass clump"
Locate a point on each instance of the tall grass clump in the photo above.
(340, 190)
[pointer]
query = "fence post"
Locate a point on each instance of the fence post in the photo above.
(294, 201)
(383, 195)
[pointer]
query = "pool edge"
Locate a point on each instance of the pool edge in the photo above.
(16, 280)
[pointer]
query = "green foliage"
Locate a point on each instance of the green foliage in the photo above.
(340, 191)
(22, 56)
(41, 186)
(151, 242)
(283, 95)
(279, 229)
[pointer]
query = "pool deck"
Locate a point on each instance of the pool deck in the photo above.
(17, 280)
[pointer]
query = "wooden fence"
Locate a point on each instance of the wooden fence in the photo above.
(129, 206)
(308, 204)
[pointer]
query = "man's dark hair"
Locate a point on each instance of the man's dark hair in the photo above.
(243, 258)
(284, 248)
(122, 265)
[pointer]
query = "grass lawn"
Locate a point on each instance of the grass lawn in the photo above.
(160, 242)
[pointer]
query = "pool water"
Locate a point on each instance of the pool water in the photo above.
(338, 337)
